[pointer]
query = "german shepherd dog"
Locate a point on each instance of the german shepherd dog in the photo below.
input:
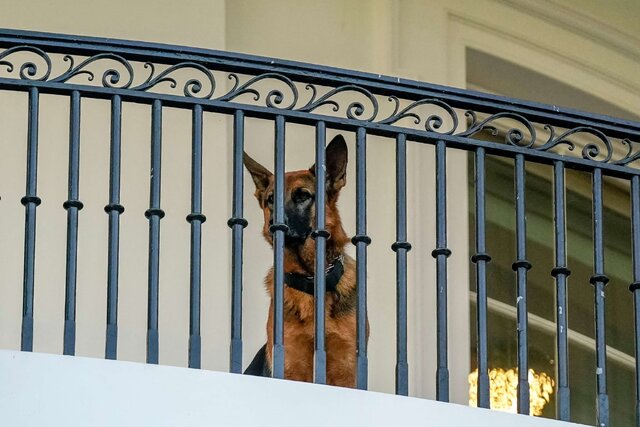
(299, 263)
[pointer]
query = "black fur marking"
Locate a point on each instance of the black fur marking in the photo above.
(258, 366)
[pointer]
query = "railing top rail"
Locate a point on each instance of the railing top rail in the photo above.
(323, 75)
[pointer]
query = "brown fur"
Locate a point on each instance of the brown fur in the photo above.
(340, 318)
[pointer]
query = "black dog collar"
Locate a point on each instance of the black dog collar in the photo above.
(305, 284)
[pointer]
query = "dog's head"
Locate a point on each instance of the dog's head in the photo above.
(299, 194)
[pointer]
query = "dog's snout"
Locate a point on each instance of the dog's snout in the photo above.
(298, 222)
(298, 227)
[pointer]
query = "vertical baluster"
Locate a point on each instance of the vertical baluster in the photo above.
(154, 214)
(521, 266)
(196, 219)
(278, 229)
(599, 281)
(30, 202)
(401, 246)
(72, 205)
(561, 273)
(361, 241)
(441, 253)
(320, 235)
(237, 224)
(114, 209)
(480, 259)
(635, 286)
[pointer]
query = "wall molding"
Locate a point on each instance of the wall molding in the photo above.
(572, 60)
(580, 24)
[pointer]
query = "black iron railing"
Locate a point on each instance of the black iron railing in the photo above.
(361, 103)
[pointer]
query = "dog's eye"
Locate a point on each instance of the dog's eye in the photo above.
(301, 195)
(270, 199)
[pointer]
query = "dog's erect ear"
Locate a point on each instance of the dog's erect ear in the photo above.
(337, 158)
(259, 174)
(336, 162)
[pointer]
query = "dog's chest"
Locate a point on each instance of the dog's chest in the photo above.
(340, 348)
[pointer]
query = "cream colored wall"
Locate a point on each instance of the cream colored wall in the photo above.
(190, 22)
(149, 21)
(424, 40)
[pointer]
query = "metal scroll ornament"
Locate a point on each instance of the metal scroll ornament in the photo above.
(278, 91)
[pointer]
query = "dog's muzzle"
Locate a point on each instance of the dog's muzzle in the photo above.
(294, 236)
(297, 231)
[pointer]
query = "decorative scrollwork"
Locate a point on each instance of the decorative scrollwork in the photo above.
(28, 70)
(513, 136)
(192, 86)
(630, 156)
(273, 99)
(110, 77)
(553, 142)
(432, 123)
(355, 110)
(590, 151)
(276, 90)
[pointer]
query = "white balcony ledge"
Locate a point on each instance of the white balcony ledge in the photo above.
(42, 389)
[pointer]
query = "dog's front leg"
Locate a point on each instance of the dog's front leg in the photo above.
(298, 348)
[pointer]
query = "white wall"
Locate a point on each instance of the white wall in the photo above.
(38, 390)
